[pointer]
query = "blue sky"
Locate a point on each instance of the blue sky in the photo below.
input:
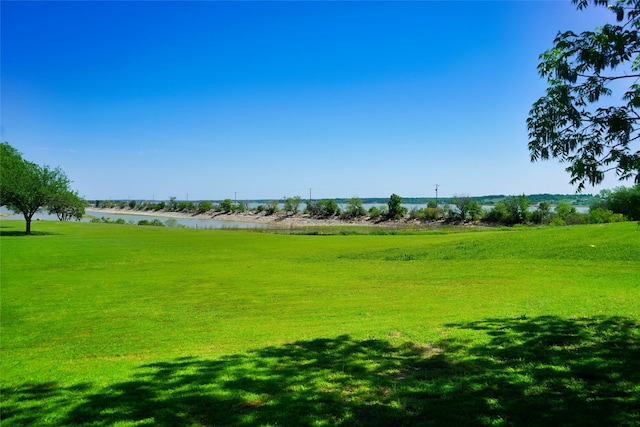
(207, 100)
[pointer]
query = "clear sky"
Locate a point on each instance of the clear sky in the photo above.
(207, 100)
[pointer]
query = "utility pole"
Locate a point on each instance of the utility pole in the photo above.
(437, 185)
(309, 194)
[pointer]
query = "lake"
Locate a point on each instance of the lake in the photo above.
(187, 222)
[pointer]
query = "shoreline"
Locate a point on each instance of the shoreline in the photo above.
(277, 219)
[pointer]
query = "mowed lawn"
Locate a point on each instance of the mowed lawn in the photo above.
(106, 324)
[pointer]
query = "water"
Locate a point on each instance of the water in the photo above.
(193, 222)
(186, 222)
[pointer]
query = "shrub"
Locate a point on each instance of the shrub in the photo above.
(292, 204)
(622, 200)
(173, 223)
(323, 208)
(499, 214)
(240, 207)
(600, 216)
(355, 208)
(542, 214)
(205, 206)
(511, 211)
(156, 222)
(271, 207)
(396, 210)
(377, 212)
(226, 205)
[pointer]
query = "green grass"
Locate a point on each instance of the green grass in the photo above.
(124, 325)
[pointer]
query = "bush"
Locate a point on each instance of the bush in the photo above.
(499, 214)
(292, 204)
(323, 208)
(156, 222)
(542, 215)
(271, 207)
(377, 212)
(355, 208)
(511, 211)
(600, 216)
(396, 210)
(240, 207)
(622, 200)
(204, 206)
(226, 205)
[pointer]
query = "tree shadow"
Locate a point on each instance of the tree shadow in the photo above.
(21, 233)
(536, 372)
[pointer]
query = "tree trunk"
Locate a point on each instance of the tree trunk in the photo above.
(27, 219)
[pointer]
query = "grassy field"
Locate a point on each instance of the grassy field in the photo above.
(125, 325)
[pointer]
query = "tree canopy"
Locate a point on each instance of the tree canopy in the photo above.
(588, 117)
(25, 187)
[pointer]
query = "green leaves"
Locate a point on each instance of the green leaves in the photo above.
(26, 187)
(572, 122)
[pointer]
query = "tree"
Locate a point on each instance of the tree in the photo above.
(574, 122)
(26, 187)
(541, 214)
(621, 200)
(67, 205)
(518, 208)
(292, 204)
(474, 209)
(204, 206)
(355, 208)
(396, 210)
(226, 205)
(513, 210)
(272, 207)
(466, 207)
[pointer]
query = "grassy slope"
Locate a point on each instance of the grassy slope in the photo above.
(86, 306)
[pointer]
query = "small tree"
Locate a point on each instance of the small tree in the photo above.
(542, 213)
(173, 204)
(396, 210)
(204, 206)
(463, 203)
(292, 204)
(67, 205)
(625, 201)
(355, 208)
(376, 212)
(518, 207)
(271, 207)
(474, 210)
(226, 205)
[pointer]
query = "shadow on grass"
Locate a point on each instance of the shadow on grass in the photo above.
(18, 233)
(535, 372)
